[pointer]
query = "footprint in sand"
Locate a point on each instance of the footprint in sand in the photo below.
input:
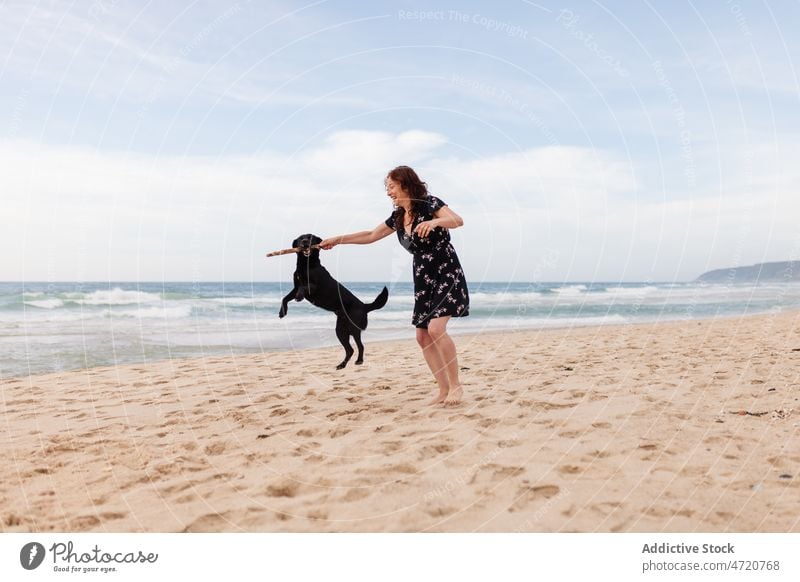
(391, 446)
(215, 448)
(175, 488)
(505, 471)
(338, 413)
(606, 508)
(528, 494)
(356, 494)
(212, 522)
(429, 451)
(12, 520)
(338, 432)
(441, 511)
(283, 489)
(85, 522)
(317, 515)
(398, 468)
(695, 471)
(507, 444)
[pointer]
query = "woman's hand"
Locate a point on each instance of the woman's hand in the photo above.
(329, 243)
(424, 228)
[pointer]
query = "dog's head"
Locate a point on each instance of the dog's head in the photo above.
(304, 242)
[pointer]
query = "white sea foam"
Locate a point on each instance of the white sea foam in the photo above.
(570, 290)
(46, 303)
(117, 296)
(629, 291)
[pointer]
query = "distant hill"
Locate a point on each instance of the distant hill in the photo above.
(785, 271)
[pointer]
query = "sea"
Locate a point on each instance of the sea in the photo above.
(51, 327)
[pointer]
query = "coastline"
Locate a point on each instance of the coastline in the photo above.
(56, 328)
(670, 426)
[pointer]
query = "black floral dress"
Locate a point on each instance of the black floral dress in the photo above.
(440, 287)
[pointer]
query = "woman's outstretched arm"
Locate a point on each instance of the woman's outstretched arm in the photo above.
(364, 237)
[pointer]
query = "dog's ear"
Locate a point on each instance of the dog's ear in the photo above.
(295, 242)
(315, 240)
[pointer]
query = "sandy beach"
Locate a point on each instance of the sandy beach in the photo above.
(682, 426)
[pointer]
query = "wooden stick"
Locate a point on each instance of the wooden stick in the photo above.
(288, 251)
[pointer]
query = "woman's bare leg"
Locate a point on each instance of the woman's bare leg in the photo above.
(437, 330)
(435, 363)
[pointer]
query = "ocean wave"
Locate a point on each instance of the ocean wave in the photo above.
(576, 296)
(115, 296)
(542, 295)
(570, 290)
(46, 303)
(630, 291)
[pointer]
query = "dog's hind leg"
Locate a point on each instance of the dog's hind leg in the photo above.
(357, 337)
(344, 336)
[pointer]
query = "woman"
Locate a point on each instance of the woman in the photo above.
(440, 289)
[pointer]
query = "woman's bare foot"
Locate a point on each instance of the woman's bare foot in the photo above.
(440, 398)
(454, 395)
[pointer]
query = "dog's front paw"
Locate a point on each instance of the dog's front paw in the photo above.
(282, 313)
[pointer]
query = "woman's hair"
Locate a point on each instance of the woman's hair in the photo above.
(416, 188)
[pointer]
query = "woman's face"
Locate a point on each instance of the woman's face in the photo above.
(396, 192)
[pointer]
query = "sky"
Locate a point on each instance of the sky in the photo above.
(579, 141)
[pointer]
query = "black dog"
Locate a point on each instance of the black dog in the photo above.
(313, 282)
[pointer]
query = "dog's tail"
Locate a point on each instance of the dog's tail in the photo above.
(379, 302)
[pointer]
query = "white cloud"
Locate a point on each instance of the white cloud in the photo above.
(546, 177)
(369, 149)
(79, 213)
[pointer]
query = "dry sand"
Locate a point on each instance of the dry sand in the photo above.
(687, 426)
